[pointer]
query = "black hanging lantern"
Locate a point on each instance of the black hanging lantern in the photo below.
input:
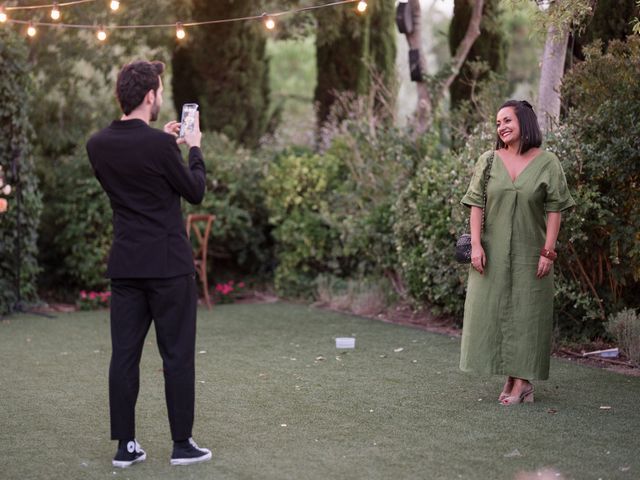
(414, 65)
(404, 19)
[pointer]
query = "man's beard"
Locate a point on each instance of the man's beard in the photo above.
(155, 110)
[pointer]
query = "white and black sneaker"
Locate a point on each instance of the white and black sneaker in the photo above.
(129, 453)
(188, 452)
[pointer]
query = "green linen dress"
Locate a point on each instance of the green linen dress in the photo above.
(508, 312)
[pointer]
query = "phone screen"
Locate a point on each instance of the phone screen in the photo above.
(188, 120)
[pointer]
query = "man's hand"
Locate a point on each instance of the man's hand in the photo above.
(192, 139)
(172, 128)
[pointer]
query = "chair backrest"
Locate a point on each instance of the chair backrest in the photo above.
(201, 226)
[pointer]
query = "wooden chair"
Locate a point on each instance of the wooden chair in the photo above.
(201, 226)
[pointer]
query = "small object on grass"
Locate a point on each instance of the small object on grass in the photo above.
(383, 356)
(552, 411)
(283, 424)
(605, 407)
(607, 353)
(515, 453)
(319, 358)
(345, 342)
(398, 350)
(202, 351)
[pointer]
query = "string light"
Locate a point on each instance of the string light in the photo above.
(101, 33)
(114, 5)
(31, 30)
(180, 33)
(268, 21)
(48, 5)
(55, 11)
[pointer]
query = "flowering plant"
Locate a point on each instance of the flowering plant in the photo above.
(227, 292)
(93, 300)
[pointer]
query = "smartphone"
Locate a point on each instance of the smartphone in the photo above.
(188, 120)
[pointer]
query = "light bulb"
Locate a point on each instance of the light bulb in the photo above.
(55, 12)
(362, 6)
(115, 4)
(269, 22)
(31, 30)
(3, 15)
(180, 33)
(101, 34)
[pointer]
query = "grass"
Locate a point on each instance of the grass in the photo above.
(368, 413)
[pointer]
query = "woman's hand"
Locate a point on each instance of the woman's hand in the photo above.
(544, 267)
(478, 259)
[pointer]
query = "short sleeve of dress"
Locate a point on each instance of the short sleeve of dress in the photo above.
(558, 197)
(474, 196)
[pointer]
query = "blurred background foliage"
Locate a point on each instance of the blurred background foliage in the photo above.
(313, 176)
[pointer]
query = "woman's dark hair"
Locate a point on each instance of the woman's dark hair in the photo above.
(530, 134)
(134, 82)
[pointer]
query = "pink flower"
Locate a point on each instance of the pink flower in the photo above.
(83, 294)
(92, 295)
(241, 285)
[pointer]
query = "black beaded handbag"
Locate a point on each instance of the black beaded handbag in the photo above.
(463, 245)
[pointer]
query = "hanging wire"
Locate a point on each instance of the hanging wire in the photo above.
(49, 5)
(169, 25)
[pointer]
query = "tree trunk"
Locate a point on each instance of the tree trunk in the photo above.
(423, 111)
(553, 58)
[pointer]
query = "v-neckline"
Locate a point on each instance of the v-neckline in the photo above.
(514, 180)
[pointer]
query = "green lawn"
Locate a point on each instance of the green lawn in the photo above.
(269, 409)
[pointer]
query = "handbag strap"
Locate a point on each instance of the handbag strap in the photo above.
(487, 174)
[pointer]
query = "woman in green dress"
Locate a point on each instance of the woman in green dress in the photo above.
(508, 312)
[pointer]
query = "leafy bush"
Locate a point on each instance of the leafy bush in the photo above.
(76, 229)
(15, 130)
(240, 235)
(625, 328)
(429, 220)
(298, 188)
(333, 211)
(599, 145)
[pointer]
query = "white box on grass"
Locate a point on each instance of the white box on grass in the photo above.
(345, 342)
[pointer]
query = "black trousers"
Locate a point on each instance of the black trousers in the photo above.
(171, 303)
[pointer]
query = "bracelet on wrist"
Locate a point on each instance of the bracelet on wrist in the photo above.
(550, 254)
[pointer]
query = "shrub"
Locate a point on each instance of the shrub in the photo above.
(625, 328)
(333, 212)
(599, 145)
(15, 130)
(429, 220)
(76, 230)
(240, 234)
(298, 191)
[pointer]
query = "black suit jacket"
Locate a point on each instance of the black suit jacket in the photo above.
(142, 171)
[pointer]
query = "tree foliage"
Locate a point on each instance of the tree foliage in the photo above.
(352, 52)
(225, 69)
(17, 253)
(490, 47)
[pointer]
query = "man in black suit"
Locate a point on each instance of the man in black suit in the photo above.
(150, 265)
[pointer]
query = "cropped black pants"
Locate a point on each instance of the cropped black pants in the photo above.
(172, 304)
